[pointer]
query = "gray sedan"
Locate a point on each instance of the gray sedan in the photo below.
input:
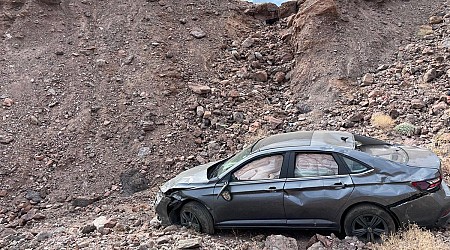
(311, 179)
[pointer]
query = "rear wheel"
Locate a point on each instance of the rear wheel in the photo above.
(368, 223)
(194, 215)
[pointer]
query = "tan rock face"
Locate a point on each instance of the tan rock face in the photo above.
(265, 11)
(315, 8)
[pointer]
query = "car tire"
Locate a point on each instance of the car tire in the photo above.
(194, 215)
(368, 223)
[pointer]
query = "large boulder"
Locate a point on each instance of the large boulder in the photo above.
(264, 11)
(133, 181)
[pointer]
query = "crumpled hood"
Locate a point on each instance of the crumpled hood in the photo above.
(421, 157)
(188, 178)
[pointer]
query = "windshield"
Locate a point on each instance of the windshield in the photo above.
(233, 160)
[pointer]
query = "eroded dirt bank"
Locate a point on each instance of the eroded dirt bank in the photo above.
(91, 90)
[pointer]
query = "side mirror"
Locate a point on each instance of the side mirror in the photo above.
(224, 192)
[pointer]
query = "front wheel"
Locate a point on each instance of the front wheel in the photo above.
(368, 223)
(194, 215)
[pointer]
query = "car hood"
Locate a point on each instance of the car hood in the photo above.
(421, 157)
(188, 178)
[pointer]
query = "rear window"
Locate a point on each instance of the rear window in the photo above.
(354, 166)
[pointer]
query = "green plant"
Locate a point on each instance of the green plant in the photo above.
(405, 129)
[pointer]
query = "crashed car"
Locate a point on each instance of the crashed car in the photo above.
(333, 180)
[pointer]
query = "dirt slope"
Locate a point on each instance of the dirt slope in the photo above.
(91, 89)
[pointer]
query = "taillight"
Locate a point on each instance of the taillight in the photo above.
(428, 185)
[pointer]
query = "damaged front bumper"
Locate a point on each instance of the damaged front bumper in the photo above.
(164, 205)
(430, 210)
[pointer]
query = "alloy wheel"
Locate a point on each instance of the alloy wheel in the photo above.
(189, 220)
(369, 227)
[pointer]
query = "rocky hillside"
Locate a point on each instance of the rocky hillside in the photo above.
(101, 99)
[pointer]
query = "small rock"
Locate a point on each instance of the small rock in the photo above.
(39, 216)
(278, 242)
(84, 201)
(200, 111)
(430, 75)
(439, 107)
(189, 243)
(207, 114)
(238, 117)
(41, 236)
(148, 126)
(88, 229)
(200, 89)
(111, 223)
(163, 239)
(254, 127)
(198, 33)
(274, 122)
(8, 102)
(435, 20)
(280, 77)
(368, 79)
(357, 117)
(144, 151)
(417, 104)
(34, 120)
(233, 93)
(247, 43)
(34, 196)
(100, 222)
(3, 193)
(4, 139)
(260, 76)
(104, 230)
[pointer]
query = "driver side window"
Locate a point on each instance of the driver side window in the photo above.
(261, 169)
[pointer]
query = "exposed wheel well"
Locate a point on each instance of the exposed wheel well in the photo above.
(396, 220)
(174, 214)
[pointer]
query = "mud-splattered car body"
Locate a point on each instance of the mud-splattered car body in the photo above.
(314, 179)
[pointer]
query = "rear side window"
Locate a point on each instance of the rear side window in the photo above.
(309, 165)
(261, 169)
(354, 166)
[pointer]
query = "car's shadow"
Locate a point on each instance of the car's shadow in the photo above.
(301, 235)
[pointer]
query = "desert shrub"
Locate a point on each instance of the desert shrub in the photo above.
(412, 237)
(382, 121)
(405, 129)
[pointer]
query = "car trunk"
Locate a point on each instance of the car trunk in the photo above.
(411, 156)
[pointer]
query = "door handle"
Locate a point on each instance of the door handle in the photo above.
(338, 185)
(272, 189)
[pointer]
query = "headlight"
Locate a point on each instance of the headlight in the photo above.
(159, 197)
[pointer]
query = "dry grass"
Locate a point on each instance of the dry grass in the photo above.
(441, 147)
(382, 121)
(412, 237)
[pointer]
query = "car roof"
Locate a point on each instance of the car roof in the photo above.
(317, 138)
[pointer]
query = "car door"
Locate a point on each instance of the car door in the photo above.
(256, 190)
(317, 187)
